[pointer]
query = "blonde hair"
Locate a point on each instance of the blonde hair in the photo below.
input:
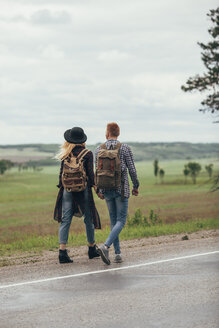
(66, 149)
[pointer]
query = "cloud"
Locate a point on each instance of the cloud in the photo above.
(51, 52)
(113, 55)
(89, 62)
(45, 16)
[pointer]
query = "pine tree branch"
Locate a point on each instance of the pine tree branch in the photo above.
(210, 58)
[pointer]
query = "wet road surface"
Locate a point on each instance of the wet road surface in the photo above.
(174, 293)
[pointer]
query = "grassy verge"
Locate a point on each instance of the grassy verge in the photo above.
(38, 243)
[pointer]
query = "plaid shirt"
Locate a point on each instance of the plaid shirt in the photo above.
(127, 162)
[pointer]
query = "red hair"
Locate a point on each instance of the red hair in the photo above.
(113, 129)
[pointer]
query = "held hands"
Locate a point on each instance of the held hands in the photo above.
(101, 196)
(135, 192)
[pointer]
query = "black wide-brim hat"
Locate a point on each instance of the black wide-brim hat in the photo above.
(75, 135)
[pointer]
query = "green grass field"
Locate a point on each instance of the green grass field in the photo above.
(27, 201)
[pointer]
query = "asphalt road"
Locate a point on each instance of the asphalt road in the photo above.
(154, 289)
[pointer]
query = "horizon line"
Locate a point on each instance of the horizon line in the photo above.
(97, 143)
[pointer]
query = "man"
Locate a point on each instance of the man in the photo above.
(116, 199)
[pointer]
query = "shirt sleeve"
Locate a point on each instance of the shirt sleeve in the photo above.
(131, 167)
(89, 167)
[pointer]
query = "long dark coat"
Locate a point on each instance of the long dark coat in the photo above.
(78, 197)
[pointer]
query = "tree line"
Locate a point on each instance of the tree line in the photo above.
(191, 169)
(7, 165)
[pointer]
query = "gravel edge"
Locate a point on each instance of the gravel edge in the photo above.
(81, 251)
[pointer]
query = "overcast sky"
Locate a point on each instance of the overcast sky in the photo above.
(88, 62)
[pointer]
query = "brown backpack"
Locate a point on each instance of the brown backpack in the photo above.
(74, 175)
(108, 172)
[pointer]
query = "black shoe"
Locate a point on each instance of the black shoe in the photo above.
(63, 256)
(92, 252)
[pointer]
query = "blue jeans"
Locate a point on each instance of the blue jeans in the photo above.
(118, 213)
(67, 213)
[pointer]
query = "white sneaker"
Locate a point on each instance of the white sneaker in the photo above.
(117, 258)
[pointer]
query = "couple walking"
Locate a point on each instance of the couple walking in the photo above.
(110, 182)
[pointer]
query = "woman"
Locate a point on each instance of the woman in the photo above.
(80, 203)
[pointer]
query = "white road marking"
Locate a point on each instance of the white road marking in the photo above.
(82, 274)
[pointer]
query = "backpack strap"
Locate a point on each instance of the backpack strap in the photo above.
(103, 146)
(68, 158)
(118, 145)
(82, 154)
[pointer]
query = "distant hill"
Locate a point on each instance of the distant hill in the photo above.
(174, 150)
(142, 151)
